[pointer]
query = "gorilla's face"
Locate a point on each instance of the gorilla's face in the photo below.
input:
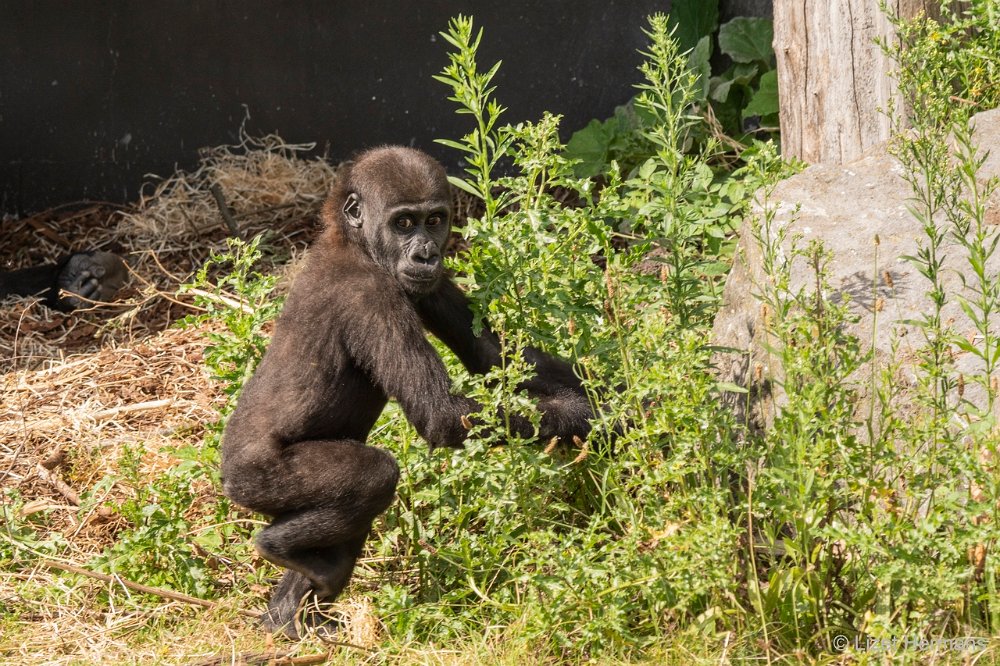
(401, 203)
(420, 233)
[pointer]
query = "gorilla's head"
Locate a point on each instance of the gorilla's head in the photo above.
(396, 203)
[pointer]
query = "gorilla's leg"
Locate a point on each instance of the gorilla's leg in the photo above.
(295, 543)
(331, 492)
(286, 598)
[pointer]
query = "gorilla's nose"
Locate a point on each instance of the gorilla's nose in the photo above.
(427, 254)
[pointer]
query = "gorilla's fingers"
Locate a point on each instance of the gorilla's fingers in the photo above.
(93, 276)
(90, 288)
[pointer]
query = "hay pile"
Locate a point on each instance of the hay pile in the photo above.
(63, 428)
(76, 388)
(269, 187)
(266, 183)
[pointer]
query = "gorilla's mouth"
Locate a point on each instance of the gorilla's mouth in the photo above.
(420, 280)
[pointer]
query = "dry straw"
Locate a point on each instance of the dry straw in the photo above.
(76, 388)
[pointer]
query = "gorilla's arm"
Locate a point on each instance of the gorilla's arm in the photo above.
(566, 410)
(87, 276)
(34, 281)
(447, 315)
(397, 357)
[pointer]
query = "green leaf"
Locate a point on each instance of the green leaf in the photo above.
(719, 87)
(765, 100)
(590, 146)
(967, 346)
(698, 63)
(464, 185)
(464, 147)
(979, 428)
(691, 20)
(747, 40)
(745, 72)
(742, 74)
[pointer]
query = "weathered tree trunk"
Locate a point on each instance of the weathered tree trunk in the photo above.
(834, 82)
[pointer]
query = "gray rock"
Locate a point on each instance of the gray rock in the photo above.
(846, 207)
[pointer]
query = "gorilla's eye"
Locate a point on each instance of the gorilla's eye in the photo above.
(434, 220)
(404, 222)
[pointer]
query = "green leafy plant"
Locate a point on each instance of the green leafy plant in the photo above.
(868, 524)
(242, 301)
(749, 87)
(746, 89)
(595, 550)
(23, 539)
(156, 548)
(949, 61)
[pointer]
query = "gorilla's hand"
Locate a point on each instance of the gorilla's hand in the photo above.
(565, 412)
(91, 276)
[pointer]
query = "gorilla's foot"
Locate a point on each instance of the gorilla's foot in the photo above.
(308, 621)
(293, 610)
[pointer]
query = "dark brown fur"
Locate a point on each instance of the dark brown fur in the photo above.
(350, 336)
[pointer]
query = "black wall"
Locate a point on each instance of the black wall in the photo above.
(95, 94)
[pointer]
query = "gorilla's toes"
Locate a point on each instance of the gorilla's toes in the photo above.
(275, 622)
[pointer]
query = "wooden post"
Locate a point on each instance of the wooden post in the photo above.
(834, 82)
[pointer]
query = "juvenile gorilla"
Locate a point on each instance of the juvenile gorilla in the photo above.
(350, 336)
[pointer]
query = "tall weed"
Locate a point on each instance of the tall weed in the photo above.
(603, 549)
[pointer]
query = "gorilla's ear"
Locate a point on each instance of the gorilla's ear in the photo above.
(352, 210)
